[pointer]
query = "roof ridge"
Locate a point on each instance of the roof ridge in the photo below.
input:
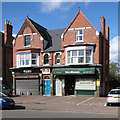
(56, 29)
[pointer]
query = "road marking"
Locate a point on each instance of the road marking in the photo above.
(105, 104)
(85, 101)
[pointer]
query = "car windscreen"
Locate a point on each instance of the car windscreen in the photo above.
(115, 92)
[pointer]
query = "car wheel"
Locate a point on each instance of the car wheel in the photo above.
(108, 104)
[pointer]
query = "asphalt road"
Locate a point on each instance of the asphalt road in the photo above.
(52, 114)
(61, 107)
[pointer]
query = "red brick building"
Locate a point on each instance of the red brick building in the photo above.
(6, 54)
(67, 61)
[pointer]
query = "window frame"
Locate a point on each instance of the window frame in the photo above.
(26, 39)
(57, 58)
(30, 60)
(70, 49)
(47, 58)
(79, 35)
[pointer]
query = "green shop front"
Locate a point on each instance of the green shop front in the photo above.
(76, 81)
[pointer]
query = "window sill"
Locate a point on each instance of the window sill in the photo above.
(79, 64)
(27, 46)
(79, 41)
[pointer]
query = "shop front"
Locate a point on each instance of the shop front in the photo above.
(76, 81)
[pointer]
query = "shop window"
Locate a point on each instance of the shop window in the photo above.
(27, 40)
(46, 59)
(57, 58)
(79, 35)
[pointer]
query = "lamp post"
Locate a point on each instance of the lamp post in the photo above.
(13, 74)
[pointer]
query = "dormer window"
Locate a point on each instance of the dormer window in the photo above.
(79, 35)
(27, 40)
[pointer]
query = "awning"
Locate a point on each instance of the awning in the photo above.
(73, 71)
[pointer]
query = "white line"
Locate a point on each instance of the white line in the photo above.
(85, 101)
(105, 104)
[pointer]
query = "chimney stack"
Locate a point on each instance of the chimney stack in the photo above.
(102, 25)
(107, 32)
(8, 33)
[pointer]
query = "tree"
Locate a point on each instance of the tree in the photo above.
(114, 80)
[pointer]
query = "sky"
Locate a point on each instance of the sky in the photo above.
(53, 15)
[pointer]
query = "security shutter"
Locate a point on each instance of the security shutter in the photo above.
(27, 86)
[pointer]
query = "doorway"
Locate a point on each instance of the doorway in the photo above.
(69, 85)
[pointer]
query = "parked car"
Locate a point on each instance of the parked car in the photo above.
(6, 90)
(113, 97)
(6, 102)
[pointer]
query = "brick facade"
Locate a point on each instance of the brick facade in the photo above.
(7, 54)
(68, 37)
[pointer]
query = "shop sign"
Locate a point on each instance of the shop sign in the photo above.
(85, 84)
(46, 71)
(74, 71)
(27, 71)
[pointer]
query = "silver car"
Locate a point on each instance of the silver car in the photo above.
(113, 97)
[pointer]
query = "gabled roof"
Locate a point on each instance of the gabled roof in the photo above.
(79, 12)
(40, 29)
(56, 39)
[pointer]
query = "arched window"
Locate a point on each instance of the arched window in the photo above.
(57, 58)
(46, 59)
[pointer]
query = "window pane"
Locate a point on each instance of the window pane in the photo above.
(88, 52)
(81, 53)
(27, 56)
(74, 53)
(74, 60)
(77, 32)
(33, 62)
(88, 60)
(58, 55)
(58, 61)
(46, 59)
(27, 61)
(68, 60)
(22, 56)
(21, 61)
(68, 53)
(27, 40)
(80, 59)
(33, 55)
(80, 38)
(81, 31)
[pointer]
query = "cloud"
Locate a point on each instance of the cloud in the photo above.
(53, 5)
(114, 48)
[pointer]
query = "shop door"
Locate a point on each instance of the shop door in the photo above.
(58, 87)
(47, 87)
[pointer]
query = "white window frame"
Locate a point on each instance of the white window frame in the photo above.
(48, 59)
(80, 48)
(30, 62)
(55, 57)
(79, 35)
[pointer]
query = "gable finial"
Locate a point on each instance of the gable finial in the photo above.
(79, 8)
(27, 15)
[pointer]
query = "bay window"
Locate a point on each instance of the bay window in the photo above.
(79, 56)
(27, 59)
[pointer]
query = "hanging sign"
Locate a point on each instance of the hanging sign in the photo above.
(46, 71)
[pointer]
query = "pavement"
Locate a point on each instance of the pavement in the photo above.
(73, 104)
